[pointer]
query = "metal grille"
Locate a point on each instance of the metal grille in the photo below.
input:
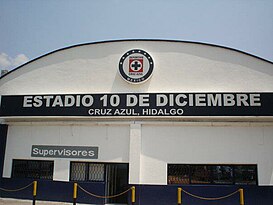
(34, 169)
(96, 172)
(178, 174)
(78, 171)
(82, 171)
(222, 174)
(245, 174)
(212, 174)
(200, 174)
(46, 170)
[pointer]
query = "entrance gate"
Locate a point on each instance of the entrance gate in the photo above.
(114, 177)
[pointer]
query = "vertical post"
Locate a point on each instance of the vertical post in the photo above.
(179, 196)
(75, 187)
(242, 201)
(133, 195)
(34, 192)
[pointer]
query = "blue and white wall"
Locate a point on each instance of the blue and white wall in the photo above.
(148, 145)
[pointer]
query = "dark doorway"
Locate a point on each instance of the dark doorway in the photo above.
(116, 181)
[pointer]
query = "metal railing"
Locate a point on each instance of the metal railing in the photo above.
(180, 190)
(77, 187)
(75, 193)
(34, 190)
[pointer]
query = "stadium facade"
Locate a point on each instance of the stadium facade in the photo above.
(150, 113)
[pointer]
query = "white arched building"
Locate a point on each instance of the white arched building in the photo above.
(142, 112)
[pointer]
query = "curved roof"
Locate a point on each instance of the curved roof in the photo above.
(179, 66)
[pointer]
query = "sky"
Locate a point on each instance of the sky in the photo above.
(31, 28)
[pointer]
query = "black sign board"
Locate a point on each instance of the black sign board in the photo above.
(139, 104)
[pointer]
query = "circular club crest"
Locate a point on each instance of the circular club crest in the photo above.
(136, 66)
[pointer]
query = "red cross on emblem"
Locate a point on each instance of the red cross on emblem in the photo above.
(135, 64)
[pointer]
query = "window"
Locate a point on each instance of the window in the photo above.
(212, 174)
(83, 171)
(200, 174)
(33, 169)
(178, 174)
(222, 174)
(78, 171)
(246, 174)
(96, 172)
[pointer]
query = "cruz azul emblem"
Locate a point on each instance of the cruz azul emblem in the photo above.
(136, 66)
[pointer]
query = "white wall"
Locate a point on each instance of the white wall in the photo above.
(113, 143)
(149, 147)
(205, 145)
(179, 67)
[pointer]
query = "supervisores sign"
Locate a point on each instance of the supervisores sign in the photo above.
(46, 151)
